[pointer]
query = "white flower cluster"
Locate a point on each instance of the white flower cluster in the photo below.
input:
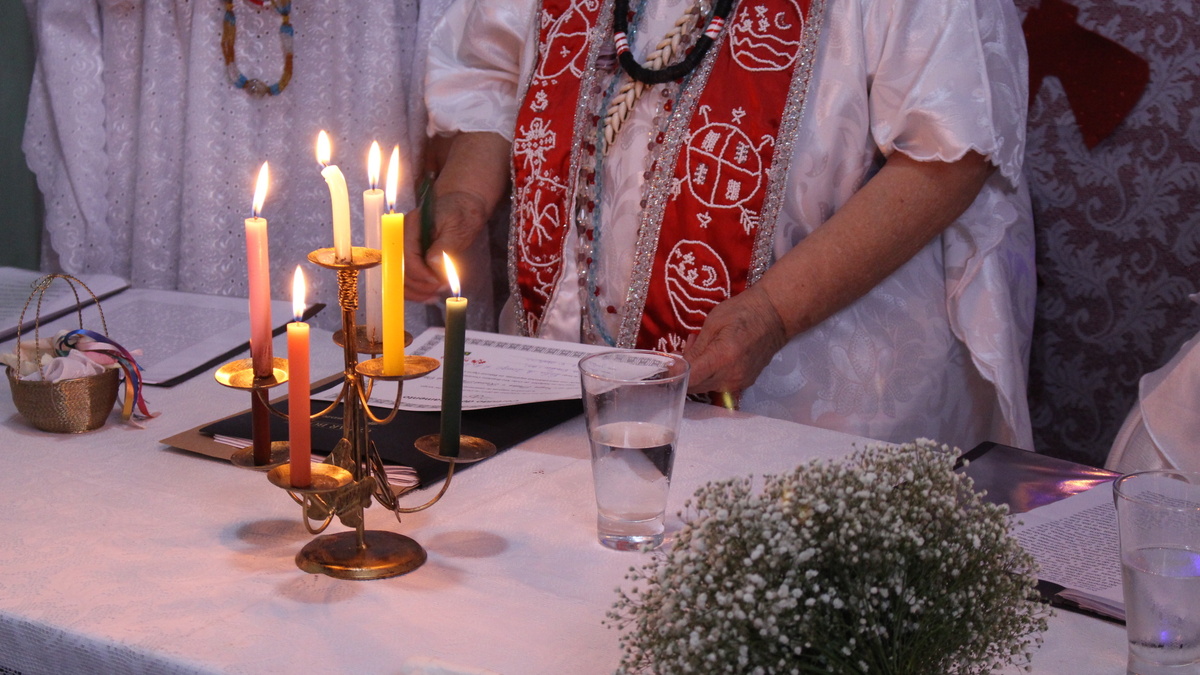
(888, 562)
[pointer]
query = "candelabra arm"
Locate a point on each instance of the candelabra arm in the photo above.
(261, 394)
(365, 397)
(331, 406)
(308, 522)
(445, 486)
(306, 503)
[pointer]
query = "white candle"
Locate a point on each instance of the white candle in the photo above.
(299, 407)
(373, 205)
(258, 270)
(339, 199)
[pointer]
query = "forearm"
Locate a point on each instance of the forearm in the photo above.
(887, 222)
(472, 177)
(476, 165)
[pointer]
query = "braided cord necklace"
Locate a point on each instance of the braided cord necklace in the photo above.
(673, 72)
(254, 86)
(676, 41)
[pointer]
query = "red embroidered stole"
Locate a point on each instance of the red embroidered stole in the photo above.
(710, 233)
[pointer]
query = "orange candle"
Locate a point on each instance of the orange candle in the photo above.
(299, 408)
(258, 269)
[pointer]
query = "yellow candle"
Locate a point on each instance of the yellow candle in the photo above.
(392, 244)
(339, 199)
(373, 204)
(299, 407)
(258, 270)
(452, 365)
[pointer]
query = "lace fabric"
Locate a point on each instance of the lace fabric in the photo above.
(147, 154)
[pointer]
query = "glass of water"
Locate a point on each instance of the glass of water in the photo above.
(633, 400)
(1158, 515)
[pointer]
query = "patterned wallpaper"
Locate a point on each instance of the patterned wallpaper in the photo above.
(1118, 231)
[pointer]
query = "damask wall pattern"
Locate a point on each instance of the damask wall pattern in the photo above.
(1118, 231)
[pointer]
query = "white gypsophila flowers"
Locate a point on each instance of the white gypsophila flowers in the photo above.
(887, 562)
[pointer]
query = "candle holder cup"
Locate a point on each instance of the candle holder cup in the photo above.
(240, 374)
(353, 475)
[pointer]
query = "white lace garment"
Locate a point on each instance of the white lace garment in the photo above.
(147, 154)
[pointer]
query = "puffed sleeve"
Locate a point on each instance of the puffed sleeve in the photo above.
(948, 76)
(473, 73)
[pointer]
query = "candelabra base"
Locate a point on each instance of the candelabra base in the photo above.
(382, 554)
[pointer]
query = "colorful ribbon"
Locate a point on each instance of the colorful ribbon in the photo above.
(103, 344)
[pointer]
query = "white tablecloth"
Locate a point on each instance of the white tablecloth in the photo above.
(120, 554)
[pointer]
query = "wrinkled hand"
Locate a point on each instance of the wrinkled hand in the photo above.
(459, 217)
(738, 340)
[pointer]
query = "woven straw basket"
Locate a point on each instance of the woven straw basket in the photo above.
(67, 406)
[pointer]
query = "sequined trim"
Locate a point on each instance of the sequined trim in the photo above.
(584, 116)
(658, 191)
(793, 115)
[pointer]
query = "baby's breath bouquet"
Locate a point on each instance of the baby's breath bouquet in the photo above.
(888, 562)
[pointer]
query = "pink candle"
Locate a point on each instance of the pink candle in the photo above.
(258, 269)
(299, 409)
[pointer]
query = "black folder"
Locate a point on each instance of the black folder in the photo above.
(505, 427)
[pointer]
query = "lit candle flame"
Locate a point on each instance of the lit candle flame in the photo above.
(298, 292)
(373, 162)
(324, 152)
(260, 189)
(451, 275)
(393, 179)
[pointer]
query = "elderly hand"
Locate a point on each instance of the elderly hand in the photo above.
(738, 340)
(459, 217)
(472, 177)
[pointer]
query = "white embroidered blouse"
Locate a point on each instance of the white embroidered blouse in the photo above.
(940, 348)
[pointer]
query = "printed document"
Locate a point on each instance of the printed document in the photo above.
(1074, 541)
(498, 370)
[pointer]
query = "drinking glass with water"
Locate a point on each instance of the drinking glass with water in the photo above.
(633, 400)
(1158, 515)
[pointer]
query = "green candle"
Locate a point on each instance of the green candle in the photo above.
(452, 365)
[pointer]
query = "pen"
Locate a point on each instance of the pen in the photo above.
(728, 401)
(426, 201)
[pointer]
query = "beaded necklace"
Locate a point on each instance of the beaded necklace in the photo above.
(618, 102)
(675, 42)
(254, 86)
(673, 72)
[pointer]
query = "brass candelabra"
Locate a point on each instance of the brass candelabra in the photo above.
(353, 474)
